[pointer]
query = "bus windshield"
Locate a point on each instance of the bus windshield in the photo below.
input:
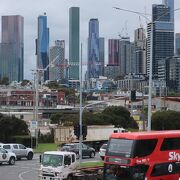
(120, 147)
(52, 160)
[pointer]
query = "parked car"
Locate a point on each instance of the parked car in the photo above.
(6, 156)
(87, 151)
(20, 150)
(102, 151)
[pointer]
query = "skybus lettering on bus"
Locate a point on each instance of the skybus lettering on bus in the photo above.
(174, 156)
(143, 155)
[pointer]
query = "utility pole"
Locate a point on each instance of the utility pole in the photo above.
(81, 110)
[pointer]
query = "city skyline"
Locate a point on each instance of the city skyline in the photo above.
(122, 22)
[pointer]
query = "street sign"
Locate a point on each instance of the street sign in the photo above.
(33, 124)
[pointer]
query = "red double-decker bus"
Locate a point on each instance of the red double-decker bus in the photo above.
(151, 155)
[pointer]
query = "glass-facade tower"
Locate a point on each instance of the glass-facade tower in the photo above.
(95, 50)
(74, 43)
(12, 48)
(57, 72)
(43, 45)
(177, 43)
(163, 36)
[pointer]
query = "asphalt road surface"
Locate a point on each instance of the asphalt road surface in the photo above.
(26, 169)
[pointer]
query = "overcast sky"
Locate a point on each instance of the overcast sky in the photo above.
(111, 22)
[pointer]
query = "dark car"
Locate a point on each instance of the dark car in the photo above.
(87, 151)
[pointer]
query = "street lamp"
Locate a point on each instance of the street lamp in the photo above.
(37, 71)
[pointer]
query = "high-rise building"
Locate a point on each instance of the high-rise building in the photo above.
(43, 45)
(74, 43)
(177, 44)
(125, 55)
(163, 38)
(170, 4)
(12, 48)
(93, 49)
(113, 49)
(57, 71)
(160, 12)
(140, 51)
(101, 56)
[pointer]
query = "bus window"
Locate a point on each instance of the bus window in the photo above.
(144, 147)
(170, 144)
(120, 147)
(164, 169)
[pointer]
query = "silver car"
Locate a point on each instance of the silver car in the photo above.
(20, 150)
(7, 157)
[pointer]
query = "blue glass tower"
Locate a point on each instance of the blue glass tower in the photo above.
(170, 4)
(93, 49)
(43, 45)
(163, 35)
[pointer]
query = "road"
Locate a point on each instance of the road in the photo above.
(26, 170)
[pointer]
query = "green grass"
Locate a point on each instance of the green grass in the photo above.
(46, 147)
(92, 164)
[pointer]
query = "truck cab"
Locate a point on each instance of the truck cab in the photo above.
(58, 165)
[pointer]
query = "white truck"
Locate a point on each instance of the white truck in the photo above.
(57, 165)
(95, 134)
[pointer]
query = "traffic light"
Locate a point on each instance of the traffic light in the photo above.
(84, 131)
(77, 130)
(133, 95)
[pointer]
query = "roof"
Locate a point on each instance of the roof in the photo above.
(147, 134)
(59, 152)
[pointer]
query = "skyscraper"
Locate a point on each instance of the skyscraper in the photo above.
(74, 43)
(93, 49)
(177, 44)
(113, 49)
(140, 51)
(170, 4)
(163, 37)
(57, 72)
(125, 55)
(101, 56)
(12, 48)
(43, 45)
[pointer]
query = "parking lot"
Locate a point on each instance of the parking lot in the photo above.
(26, 169)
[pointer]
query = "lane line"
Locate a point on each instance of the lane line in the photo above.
(22, 173)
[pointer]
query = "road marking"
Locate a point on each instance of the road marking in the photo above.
(22, 173)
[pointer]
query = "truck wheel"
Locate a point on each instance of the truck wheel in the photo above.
(70, 177)
(92, 155)
(30, 156)
(12, 160)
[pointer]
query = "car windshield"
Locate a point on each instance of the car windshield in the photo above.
(120, 147)
(52, 160)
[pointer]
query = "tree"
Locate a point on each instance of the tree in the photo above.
(57, 118)
(12, 126)
(25, 82)
(166, 120)
(119, 116)
(53, 85)
(4, 81)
